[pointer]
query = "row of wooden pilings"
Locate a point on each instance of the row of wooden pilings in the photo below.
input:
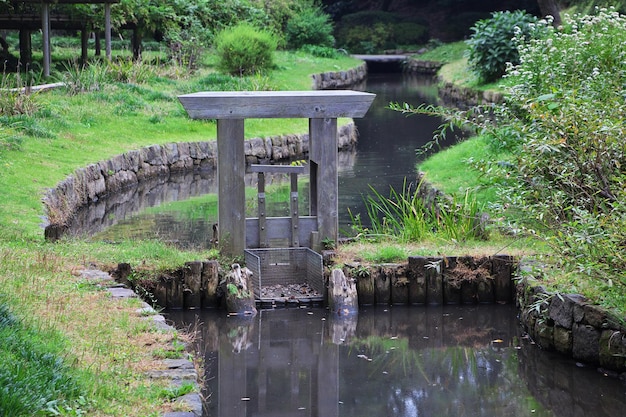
(421, 280)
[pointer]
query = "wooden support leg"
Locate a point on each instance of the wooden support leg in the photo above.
(231, 169)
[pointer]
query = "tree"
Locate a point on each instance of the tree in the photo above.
(550, 8)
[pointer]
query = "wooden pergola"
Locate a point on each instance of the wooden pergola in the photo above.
(28, 22)
(231, 108)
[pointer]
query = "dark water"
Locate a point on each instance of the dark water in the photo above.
(386, 151)
(390, 362)
(385, 156)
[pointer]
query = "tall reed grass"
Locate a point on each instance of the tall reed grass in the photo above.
(407, 216)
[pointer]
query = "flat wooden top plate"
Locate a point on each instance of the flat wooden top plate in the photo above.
(277, 104)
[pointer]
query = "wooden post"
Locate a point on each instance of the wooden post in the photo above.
(26, 48)
(84, 39)
(45, 31)
(231, 169)
(107, 30)
(323, 152)
(262, 213)
(342, 295)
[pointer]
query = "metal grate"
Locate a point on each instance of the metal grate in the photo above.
(277, 270)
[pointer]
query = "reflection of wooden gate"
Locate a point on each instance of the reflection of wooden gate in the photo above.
(322, 108)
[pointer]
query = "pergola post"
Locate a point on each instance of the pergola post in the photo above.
(231, 169)
(107, 30)
(323, 167)
(45, 31)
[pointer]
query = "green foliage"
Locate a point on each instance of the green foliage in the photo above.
(174, 392)
(80, 78)
(409, 33)
(129, 71)
(568, 108)
(409, 217)
(492, 45)
(374, 31)
(311, 26)
(320, 51)
(34, 380)
(563, 129)
(245, 50)
(15, 98)
(386, 254)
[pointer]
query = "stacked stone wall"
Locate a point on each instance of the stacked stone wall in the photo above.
(335, 80)
(571, 325)
(417, 66)
(90, 184)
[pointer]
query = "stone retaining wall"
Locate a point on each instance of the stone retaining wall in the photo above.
(464, 98)
(568, 323)
(89, 184)
(571, 325)
(417, 66)
(339, 79)
(421, 280)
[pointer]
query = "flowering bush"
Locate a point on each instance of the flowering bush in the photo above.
(568, 107)
(563, 133)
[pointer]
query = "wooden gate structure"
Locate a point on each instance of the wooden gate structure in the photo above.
(322, 108)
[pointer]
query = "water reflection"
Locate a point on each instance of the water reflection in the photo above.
(433, 361)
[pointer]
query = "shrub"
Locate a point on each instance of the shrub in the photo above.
(568, 104)
(245, 50)
(374, 31)
(492, 45)
(15, 98)
(409, 33)
(309, 27)
(320, 51)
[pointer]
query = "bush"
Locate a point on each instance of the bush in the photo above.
(309, 27)
(374, 31)
(568, 105)
(320, 51)
(492, 45)
(245, 50)
(409, 33)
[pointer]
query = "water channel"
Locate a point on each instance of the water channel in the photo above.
(388, 361)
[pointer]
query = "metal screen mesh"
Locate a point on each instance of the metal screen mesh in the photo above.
(284, 266)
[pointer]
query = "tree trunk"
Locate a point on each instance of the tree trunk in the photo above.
(239, 293)
(550, 8)
(342, 296)
(26, 48)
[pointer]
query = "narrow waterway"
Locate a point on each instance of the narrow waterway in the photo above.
(390, 362)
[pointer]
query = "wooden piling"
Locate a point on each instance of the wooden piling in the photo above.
(417, 280)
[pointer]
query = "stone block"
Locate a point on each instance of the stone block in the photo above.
(613, 350)
(562, 340)
(544, 334)
(586, 343)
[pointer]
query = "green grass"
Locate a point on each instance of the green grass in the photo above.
(386, 253)
(448, 52)
(34, 376)
(451, 171)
